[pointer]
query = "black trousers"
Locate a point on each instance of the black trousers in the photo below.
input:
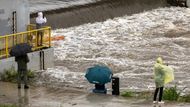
(160, 90)
(99, 87)
(22, 74)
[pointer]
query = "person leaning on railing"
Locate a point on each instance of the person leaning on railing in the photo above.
(40, 21)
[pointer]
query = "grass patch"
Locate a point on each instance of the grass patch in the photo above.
(185, 98)
(10, 75)
(171, 94)
(128, 94)
(141, 95)
(6, 105)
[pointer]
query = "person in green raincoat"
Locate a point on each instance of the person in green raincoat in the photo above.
(162, 75)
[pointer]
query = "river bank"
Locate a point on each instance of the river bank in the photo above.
(51, 97)
(101, 10)
(45, 5)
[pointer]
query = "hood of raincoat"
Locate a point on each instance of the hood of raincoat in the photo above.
(159, 60)
(40, 14)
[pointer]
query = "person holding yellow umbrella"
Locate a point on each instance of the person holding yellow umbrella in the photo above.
(162, 75)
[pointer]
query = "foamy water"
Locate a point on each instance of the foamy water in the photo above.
(129, 45)
(44, 5)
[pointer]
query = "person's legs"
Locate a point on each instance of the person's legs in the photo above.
(155, 94)
(38, 34)
(19, 78)
(161, 93)
(41, 39)
(25, 79)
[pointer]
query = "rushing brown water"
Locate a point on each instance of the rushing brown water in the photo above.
(129, 44)
(99, 11)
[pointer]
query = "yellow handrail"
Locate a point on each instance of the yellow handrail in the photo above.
(7, 45)
(31, 36)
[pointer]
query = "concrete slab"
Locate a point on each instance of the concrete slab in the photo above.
(34, 63)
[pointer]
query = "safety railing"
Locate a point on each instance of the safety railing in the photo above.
(37, 38)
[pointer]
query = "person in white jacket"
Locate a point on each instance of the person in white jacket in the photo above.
(40, 21)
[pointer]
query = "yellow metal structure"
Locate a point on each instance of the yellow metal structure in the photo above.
(30, 37)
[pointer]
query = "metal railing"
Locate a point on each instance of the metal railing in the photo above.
(32, 36)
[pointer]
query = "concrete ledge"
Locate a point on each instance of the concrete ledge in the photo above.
(7, 64)
(35, 62)
(48, 58)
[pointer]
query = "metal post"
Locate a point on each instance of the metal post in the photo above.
(22, 37)
(115, 86)
(36, 42)
(6, 46)
(49, 37)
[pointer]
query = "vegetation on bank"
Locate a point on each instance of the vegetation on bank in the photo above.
(10, 75)
(137, 95)
(6, 105)
(170, 94)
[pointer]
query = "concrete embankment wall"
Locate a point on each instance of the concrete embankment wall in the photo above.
(99, 11)
(14, 16)
(38, 61)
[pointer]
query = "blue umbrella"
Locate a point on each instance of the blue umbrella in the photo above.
(98, 74)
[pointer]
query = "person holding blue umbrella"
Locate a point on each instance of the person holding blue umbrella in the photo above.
(99, 75)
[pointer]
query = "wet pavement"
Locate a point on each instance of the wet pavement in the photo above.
(52, 97)
(36, 96)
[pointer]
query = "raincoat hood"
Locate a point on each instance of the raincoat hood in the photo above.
(159, 60)
(40, 14)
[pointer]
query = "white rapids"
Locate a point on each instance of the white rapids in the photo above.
(129, 45)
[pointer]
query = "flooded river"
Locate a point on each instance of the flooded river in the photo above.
(129, 45)
(125, 35)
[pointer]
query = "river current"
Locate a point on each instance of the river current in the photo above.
(129, 45)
